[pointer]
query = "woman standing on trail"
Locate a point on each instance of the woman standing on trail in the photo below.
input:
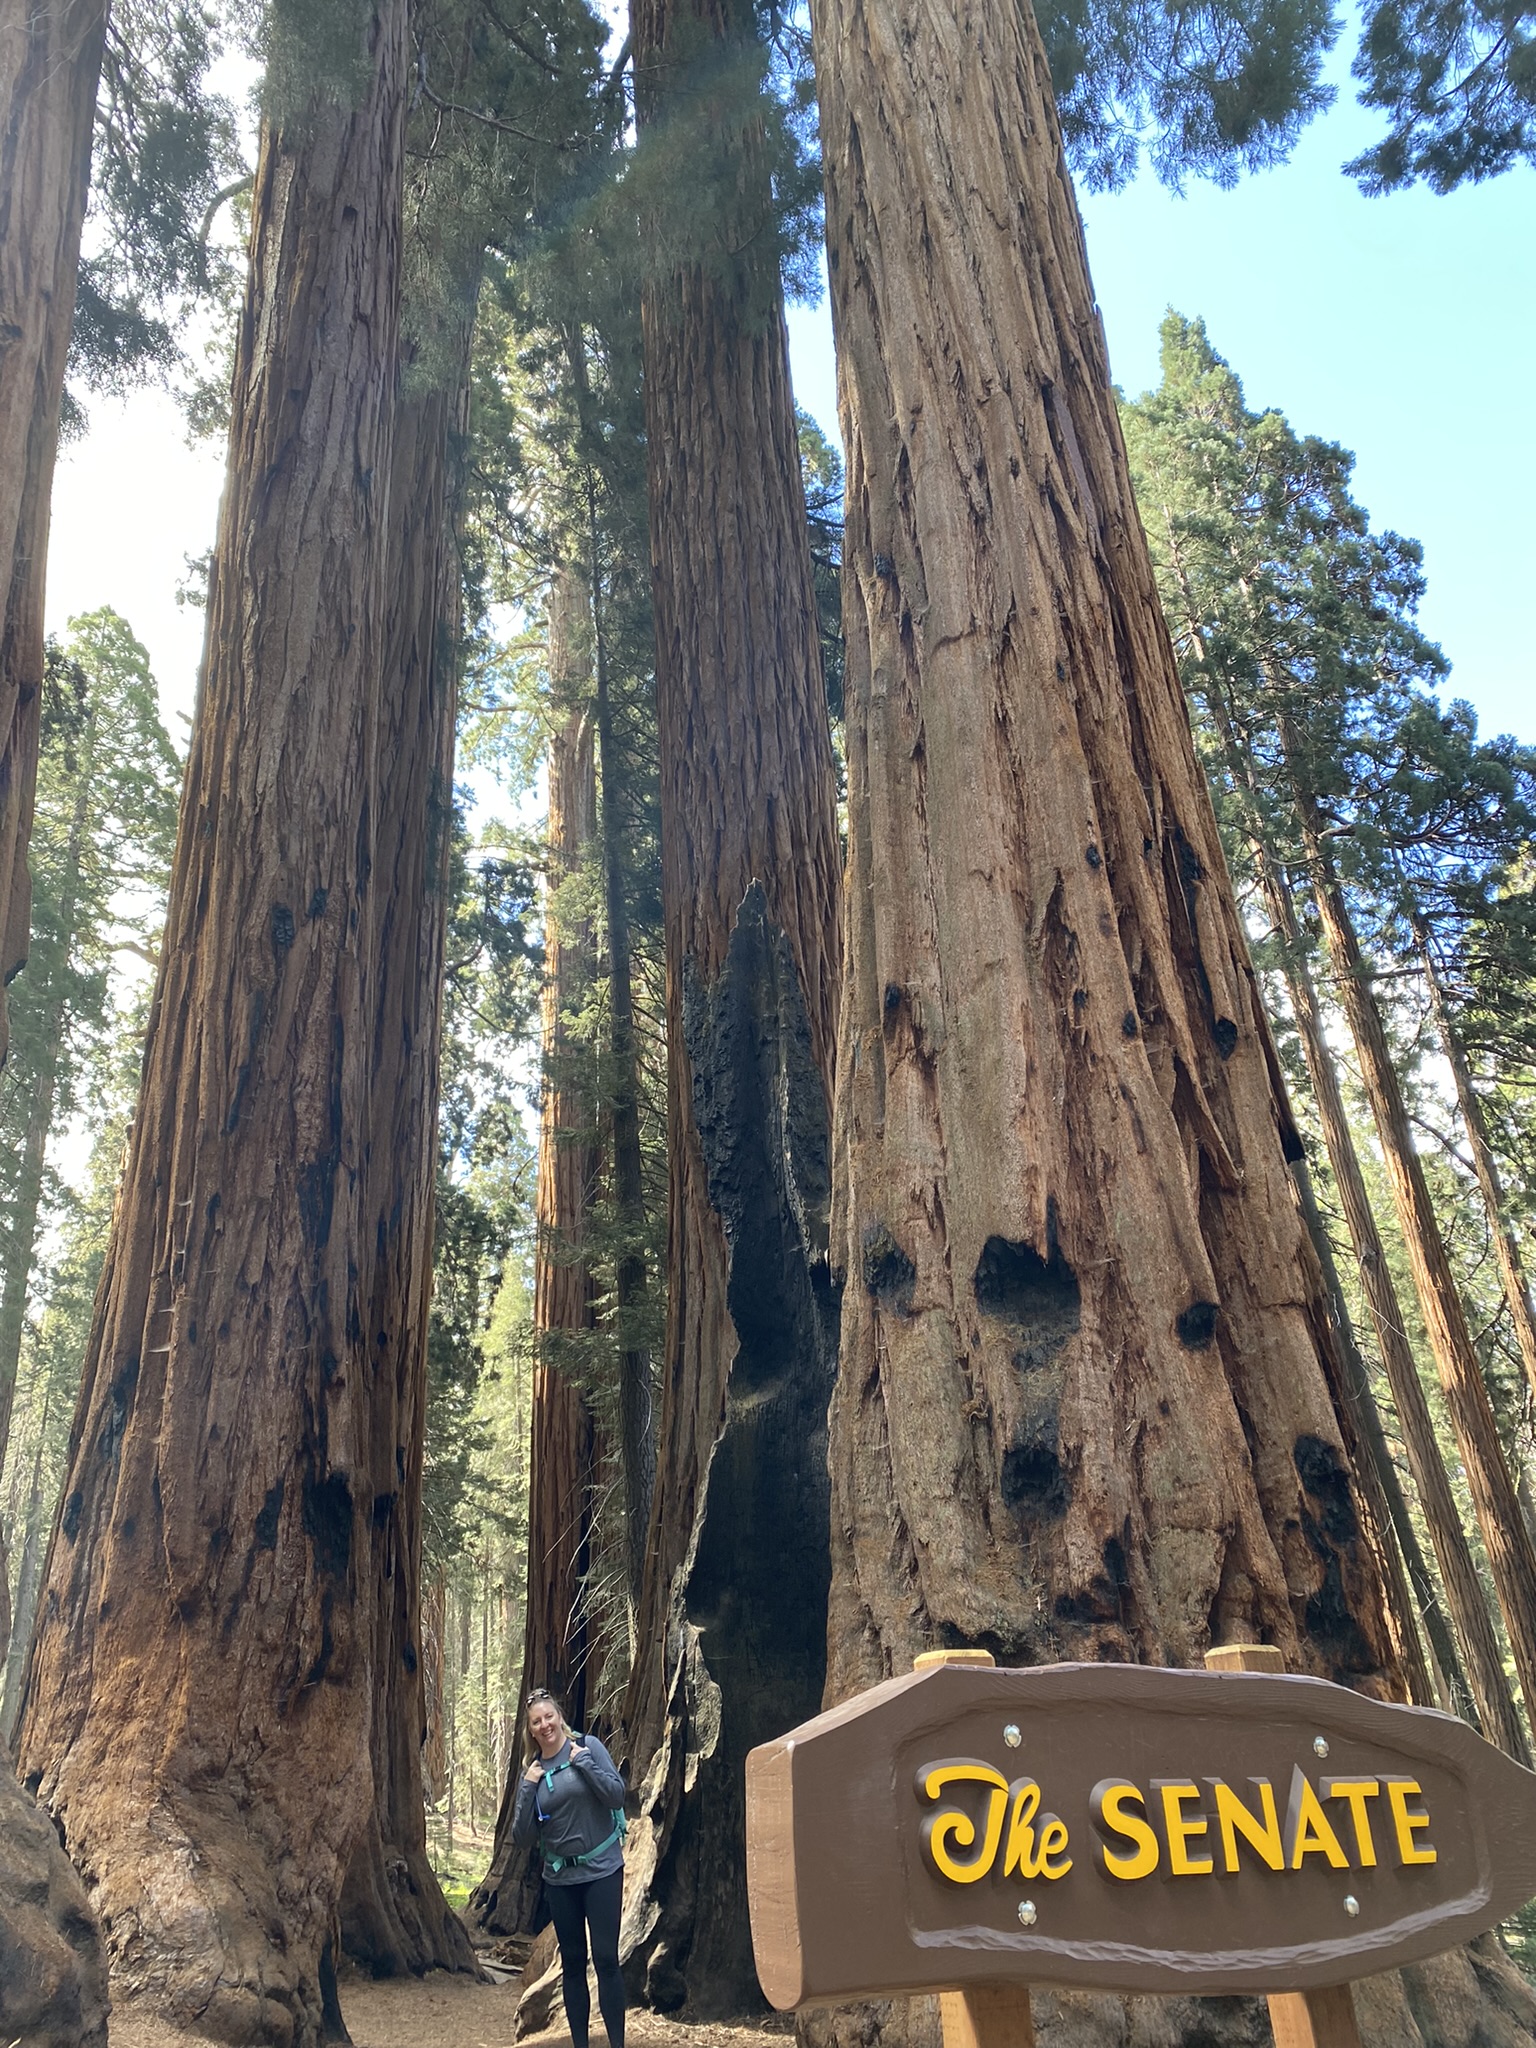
(572, 1799)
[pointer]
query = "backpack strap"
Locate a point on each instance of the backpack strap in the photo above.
(555, 1864)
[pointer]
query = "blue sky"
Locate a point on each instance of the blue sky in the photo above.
(1403, 327)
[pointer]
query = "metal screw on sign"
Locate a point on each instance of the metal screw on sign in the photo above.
(1352, 1906)
(1027, 1914)
(1011, 1735)
(1320, 1745)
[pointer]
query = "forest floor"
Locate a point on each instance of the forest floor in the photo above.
(447, 2011)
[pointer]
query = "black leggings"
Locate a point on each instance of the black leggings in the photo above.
(574, 1908)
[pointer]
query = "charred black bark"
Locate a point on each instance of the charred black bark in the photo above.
(749, 1612)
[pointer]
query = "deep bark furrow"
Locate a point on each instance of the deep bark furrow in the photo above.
(199, 1697)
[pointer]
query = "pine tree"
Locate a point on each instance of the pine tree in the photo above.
(1220, 490)
(1317, 637)
(102, 836)
(50, 59)
(1458, 80)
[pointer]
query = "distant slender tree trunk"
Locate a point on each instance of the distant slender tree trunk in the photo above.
(51, 1018)
(1517, 1294)
(1387, 1521)
(730, 1633)
(1494, 1702)
(199, 1697)
(50, 62)
(434, 1766)
(1506, 1540)
(26, 1579)
(16, 1285)
(562, 1478)
(1496, 1708)
(637, 1432)
(393, 1914)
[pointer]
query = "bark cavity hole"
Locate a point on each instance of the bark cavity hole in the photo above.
(1039, 1297)
(888, 1273)
(1033, 1481)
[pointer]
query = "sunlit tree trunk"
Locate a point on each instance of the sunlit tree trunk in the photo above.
(730, 1635)
(558, 1645)
(50, 61)
(1087, 1401)
(1512, 1278)
(637, 1422)
(1496, 1708)
(1506, 1540)
(1495, 1704)
(200, 1690)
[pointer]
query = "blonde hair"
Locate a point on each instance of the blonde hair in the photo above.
(536, 1698)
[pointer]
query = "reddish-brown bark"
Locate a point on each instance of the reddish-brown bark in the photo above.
(50, 61)
(393, 1914)
(1087, 1401)
(199, 1701)
(729, 1630)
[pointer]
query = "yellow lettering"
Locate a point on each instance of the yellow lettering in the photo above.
(1107, 1805)
(1407, 1825)
(1357, 1791)
(1180, 1832)
(1234, 1819)
(1308, 1831)
(951, 1826)
(1019, 1855)
(1053, 1841)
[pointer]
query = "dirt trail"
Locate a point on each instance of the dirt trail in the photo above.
(445, 2011)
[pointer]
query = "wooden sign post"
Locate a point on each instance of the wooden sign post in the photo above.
(971, 1831)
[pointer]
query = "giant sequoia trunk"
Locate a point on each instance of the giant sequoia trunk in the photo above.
(1511, 1556)
(50, 61)
(731, 1621)
(393, 1914)
(199, 1698)
(1087, 1402)
(558, 1648)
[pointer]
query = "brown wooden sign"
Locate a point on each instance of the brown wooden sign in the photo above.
(1122, 1828)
